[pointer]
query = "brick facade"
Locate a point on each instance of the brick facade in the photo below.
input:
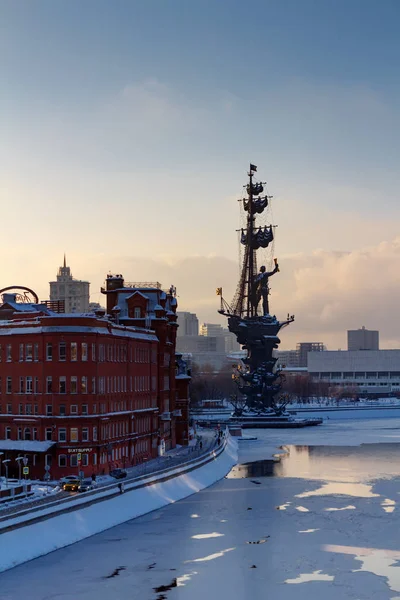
(99, 389)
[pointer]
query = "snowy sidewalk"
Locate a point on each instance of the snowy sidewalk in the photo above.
(172, 458)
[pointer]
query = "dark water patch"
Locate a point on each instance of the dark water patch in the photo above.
(115, 573)
(166, 588)
(258, 468)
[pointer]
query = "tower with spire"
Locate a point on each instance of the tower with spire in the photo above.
(75, 293)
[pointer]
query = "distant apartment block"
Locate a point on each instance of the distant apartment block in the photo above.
(362, 339)
(72, 292)
(303, 348)
(188, 324)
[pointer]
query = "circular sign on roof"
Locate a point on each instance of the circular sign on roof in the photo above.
(22, 294)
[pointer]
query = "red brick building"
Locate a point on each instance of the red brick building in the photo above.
(91, 392)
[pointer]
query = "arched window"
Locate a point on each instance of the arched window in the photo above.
(27, 433)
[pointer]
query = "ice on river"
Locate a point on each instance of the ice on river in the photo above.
(230, 540)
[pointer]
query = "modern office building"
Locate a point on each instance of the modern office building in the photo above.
(376, 372)
(362, 339)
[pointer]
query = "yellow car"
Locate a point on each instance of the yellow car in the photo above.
(72, 485)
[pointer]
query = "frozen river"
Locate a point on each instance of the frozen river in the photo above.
(326, 525)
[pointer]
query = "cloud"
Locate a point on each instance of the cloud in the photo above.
(329, 292)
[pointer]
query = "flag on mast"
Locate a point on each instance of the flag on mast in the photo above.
(253, 167)
(219, 291)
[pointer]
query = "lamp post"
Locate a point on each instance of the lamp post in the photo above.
(1, 454)
(19, 461)
(5, 462)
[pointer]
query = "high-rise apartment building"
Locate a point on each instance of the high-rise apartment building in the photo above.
(73, 292)
(362, 339)
(188, 323)
(303, 348)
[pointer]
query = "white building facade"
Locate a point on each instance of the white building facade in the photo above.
(73, 292)
(375, 372)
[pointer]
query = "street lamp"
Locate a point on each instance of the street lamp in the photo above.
(5, 462)
(1, 454)
(18, 460)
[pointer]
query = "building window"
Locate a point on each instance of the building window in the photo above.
(21, 352)
(19, 433)
(29, 385)
(9, 385)
(62, 410)
(62, 382)
(49, 434)
(95, 434)
(73, 461)
(94, 459)
(62, 434)
(36, 352)
(49, 385)
(27, 433)
(74, 409)
(21, 385)
(8, 433)
(62, 351)
(9, 353)
(21, 409)
(84, 409)
(28, 409)
(136, 312)
(93, 385)
(74, 351)
(85, 460)
(49, 410)
(84, 384)
(28, 352)
(74, 385)
(62, 460)
(34, 433)
(85, 434)
(93, 351)
(36, 388)
(74, 434)
(9, 409)
(49, 352)
(84, 352)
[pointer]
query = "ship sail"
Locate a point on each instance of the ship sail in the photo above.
(261, 238)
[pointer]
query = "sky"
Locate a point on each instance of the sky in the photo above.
(127, 130)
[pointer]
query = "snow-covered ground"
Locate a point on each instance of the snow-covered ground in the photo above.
(327, 528)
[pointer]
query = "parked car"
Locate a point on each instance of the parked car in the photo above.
(86, 485)
(71, 485)
(68, 478)
(118, 473)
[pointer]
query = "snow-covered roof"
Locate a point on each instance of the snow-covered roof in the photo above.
(29, 330)
(25, 445)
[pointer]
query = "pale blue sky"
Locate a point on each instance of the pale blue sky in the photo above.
(127, 127)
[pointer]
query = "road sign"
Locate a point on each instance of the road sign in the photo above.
(79, 457)
(47, 468)
(25, 460)
(25, 470)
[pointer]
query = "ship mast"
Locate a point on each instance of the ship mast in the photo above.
(250, 264)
